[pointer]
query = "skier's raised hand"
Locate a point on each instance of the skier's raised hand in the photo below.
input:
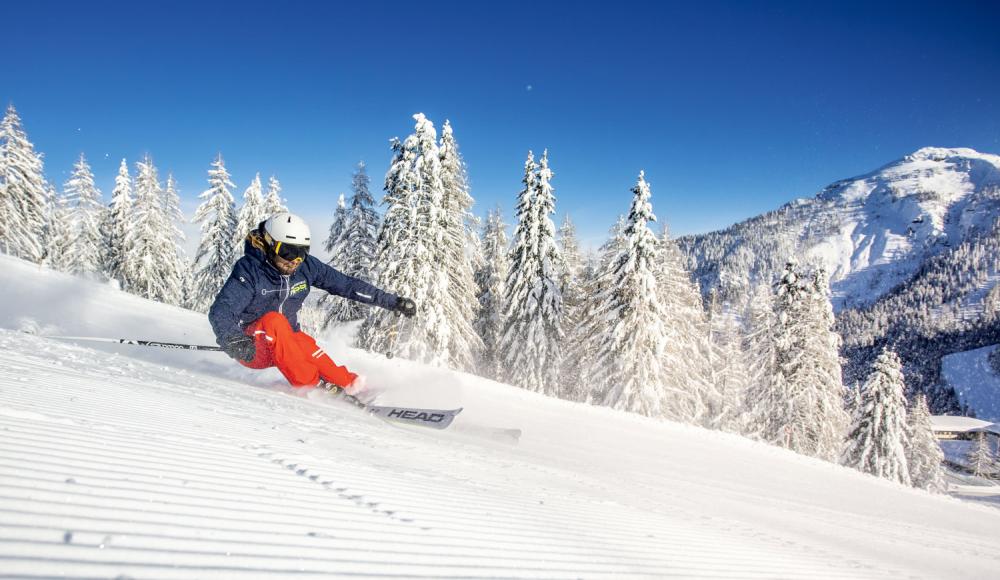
(406, 307)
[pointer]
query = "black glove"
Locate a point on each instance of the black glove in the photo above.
(240, 348)
(406, 307)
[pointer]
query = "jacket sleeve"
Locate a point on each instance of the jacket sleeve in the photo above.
(327, 278)
(232, 300)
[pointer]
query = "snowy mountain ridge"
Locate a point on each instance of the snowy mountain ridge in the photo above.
(871, 232)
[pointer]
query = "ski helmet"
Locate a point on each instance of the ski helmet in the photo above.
(287, 236)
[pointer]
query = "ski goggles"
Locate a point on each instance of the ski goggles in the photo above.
(291, 252)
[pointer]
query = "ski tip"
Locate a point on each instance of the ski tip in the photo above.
(499, 434)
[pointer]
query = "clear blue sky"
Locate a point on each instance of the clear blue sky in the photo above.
(731, 108)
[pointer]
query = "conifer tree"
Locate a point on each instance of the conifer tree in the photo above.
(573, 295)
(628, 366)
(86, 215)
(24, 193)
(460, 253)
(251, 213)
(878, 438)
(361, 224)
(571, 267)
(217, 216)
(117, 220)
(491, 279)
(175, 267)
(59, 239)
(685, 359)
(150, 245)
(531, 342)
(587, 339)
(272, 201)
(362, 230)
(980, 459)
(759, 420)
(337, 309)
(334, 240)
(802, 408)
(923, 454)
(728, 367)
(408, 251)
(396, 250)
(825, 373)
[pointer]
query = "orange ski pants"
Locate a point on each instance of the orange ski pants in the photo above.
(296, 354)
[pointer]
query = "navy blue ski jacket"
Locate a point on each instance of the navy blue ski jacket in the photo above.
(256, 287)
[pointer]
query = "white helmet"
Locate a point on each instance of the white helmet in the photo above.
(287, 236)
(287, 228)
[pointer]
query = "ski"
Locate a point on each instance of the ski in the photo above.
(432, 418)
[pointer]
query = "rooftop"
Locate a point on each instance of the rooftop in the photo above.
(962, 424)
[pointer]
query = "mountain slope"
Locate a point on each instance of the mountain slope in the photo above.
(950, 305)
(121, 461)
(871, 232)
(913, 250)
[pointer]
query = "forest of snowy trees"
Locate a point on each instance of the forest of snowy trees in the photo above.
(624, 326)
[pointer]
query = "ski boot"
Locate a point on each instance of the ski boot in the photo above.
(349, 393)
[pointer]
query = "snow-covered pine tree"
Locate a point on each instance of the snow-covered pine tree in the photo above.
(803, 408)
(60, 232)
(86, 215)
(491, 279)
(187, 284)
(117, 221)
(337, 309)
(409, 251)
(877, 440)
(357, 256)
(217, 216)
(531, 344)
(334, 239)
(571, 267)
(272, 201)
(685, 358)
(825, 374)
(728, 367)
(396, 251)
(759, 419)
(571, 285)
(517, 287)
(360, 234)
(461, 253)
(628, 366)
(981, 460)
(251, 213)
(595, 324)
(149, 243)
(175, 267)
(923, 454)
(24, 193)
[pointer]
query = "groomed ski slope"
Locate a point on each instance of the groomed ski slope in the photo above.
(145, 463)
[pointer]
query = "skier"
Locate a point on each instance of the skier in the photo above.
(255, 315)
